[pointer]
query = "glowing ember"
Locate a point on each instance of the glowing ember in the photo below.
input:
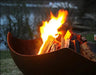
(67, 39)
(51, 28)
(67, 35)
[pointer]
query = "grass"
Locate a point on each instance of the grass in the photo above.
(5, 54)
(89, 37)
(7, 65)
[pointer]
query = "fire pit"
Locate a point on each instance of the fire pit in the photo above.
(61, 62)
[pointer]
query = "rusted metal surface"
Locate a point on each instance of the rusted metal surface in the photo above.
(61, 62)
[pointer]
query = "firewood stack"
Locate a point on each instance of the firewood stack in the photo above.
(87, 53)
(80, 46)
(75, 42)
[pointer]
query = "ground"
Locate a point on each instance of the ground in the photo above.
(7, 65)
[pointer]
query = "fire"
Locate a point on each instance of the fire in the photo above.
(67, 35)
(50, 28)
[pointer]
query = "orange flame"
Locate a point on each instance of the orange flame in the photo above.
(51, 27)
(67, 35)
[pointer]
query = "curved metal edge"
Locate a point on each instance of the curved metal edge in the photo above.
(13, 51)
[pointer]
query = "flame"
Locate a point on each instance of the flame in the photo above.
(51, 27)
(67, 35)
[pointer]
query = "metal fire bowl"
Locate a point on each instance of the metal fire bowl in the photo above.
(61, 62)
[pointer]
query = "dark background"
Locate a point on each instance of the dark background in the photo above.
(23, 18)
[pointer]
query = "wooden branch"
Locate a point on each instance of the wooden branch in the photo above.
(86, 52)
(55, 46)
(47, 44)
(74, 45)
(62, 42)
(67, 43)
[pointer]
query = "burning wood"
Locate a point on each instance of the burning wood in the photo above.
(47, 44)
(62, 42)
(67, 42)
(74, 42)
(67, 39)
(56, 45)
(49, 31)
(52, 44)
(53, 48)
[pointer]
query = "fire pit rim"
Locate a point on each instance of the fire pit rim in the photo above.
(9, 34)
(17, 53)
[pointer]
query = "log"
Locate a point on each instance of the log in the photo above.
(56, 44)
(86, 52)
(47, 44)
(74, 45)
(53, 47)
(66, 43)
(62, 42)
